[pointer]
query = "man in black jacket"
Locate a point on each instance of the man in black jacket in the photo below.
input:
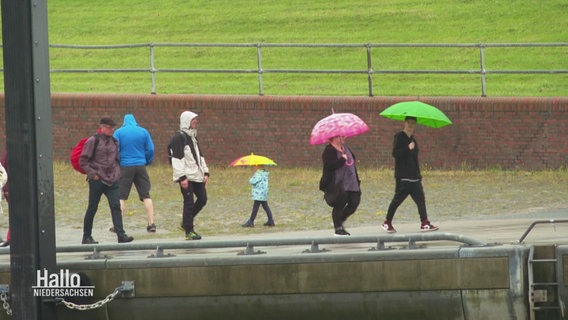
(408, 177)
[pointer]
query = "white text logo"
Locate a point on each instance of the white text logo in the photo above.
(62, 284)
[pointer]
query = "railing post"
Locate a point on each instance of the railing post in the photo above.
(152, 69)
(482, 65)
(369, 70)
(259, 61)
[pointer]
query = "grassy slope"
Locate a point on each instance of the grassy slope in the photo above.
(316, 21)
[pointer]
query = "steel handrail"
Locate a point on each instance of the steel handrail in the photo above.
(270, 242)
(539, 222)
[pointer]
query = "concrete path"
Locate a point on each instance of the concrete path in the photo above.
(506, 229)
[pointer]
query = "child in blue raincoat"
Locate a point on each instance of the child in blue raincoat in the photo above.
(259, 183)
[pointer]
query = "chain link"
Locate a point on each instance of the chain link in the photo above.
(5, 304)
(91, 306)
(70, 305)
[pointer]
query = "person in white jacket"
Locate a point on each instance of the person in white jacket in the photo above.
(190, 171)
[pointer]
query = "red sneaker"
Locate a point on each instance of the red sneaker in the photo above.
(425, 227)
(387, 226)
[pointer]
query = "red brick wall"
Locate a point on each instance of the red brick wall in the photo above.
(508, 133)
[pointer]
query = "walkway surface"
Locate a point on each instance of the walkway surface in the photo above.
(506, 229)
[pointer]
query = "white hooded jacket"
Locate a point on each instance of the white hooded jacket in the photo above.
(186, 161)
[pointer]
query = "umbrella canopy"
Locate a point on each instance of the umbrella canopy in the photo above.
(252, 160)
(425, 114)
(337, 124)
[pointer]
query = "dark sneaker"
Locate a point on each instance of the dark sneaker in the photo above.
(125, 239)
(341, 232)
(151, 228)
(5, 243)
(425, 227)
(111, 229)
(89, 240)
(269, 224)
(387, 226)
(192, 235)
(248, 224)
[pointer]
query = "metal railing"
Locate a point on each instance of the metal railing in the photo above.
(370, 70)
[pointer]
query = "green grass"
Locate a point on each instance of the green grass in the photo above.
(298, 205)
(310, 22)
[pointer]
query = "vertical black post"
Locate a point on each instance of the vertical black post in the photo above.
(29, 145)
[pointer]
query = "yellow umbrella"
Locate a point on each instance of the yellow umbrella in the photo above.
(253, 160)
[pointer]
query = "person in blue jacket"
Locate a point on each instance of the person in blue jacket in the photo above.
(136, 151)
(259, 182)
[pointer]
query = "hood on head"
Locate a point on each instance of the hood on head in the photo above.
(185, 119)
(129, 120)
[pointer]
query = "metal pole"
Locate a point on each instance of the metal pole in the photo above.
(152, 69)
(29, 145)
(370, 70)
(259, 61)
(482, 65)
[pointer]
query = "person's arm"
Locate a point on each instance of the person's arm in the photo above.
(178, 164)
(85, 158)
(330, 160)
(149, 154)
(400, 147)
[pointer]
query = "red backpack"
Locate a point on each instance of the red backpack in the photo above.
(78, 149)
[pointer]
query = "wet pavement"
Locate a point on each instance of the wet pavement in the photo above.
(552, 228)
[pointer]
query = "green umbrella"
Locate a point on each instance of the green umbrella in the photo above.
(425, 114)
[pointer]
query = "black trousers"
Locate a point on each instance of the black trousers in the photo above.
(402, 190)
(192, 207)
(345, 206)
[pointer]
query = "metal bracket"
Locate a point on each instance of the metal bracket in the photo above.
(380, 246)
(250, 251)
(126, 289)
(314, 249)
(160, 254)
(96, 255)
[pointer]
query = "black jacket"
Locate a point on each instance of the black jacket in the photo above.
(331, 163)
(406, 164)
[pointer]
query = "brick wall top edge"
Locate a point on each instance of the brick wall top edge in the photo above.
(85, 99)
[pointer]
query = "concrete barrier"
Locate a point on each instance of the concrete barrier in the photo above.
(340, 279)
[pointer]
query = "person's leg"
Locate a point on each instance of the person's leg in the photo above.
(353, 200)
(400, 194)
(337, 212)
(250, 222)
(143, 186)
(254, 212)
(125, 184)
(188, 204)
(270, 218)
(95, 193)
(112, 194)
(149, 206)
(200, 197)
(417, 194)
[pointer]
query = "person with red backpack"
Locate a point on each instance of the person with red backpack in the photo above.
(100, 161)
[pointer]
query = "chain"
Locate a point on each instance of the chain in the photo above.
(5, 304)
(95, 305)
